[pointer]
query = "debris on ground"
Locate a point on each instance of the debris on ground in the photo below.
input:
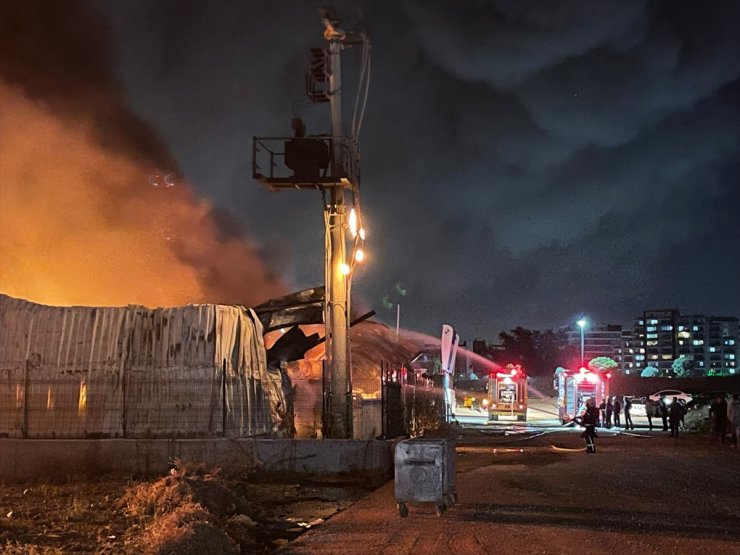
(182, 513)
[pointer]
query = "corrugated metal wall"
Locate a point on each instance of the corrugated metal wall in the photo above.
(193, 371)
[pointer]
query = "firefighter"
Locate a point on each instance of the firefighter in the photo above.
(588, 419)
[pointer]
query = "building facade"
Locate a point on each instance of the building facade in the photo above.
(660, 336)
(599, 340)
(663, 335)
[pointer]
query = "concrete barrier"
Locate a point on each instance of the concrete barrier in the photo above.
(39, 459)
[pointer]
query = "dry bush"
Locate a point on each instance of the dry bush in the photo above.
(188, 529)
(427, 414)
(157, 498)
(698, 420)
(183, 512)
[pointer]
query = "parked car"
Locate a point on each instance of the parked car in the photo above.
(638, 406)
(668, 394)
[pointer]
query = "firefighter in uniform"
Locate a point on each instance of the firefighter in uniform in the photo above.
(589, 419)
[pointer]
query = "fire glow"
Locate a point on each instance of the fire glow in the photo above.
(82, 224)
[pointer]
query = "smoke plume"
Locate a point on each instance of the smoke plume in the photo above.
(85, 216)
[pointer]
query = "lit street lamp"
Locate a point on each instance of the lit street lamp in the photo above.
(581, 324)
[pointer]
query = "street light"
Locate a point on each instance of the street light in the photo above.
(581, 324)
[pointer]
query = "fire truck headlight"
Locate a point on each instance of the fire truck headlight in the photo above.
(521, 406)
(485, 402)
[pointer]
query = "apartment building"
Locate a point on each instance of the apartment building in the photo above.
(599, 340)
(666, 334)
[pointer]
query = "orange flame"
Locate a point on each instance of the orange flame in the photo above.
(80, 224)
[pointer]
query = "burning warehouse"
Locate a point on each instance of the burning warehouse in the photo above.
(192, 371)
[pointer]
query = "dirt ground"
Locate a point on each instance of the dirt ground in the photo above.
(186, 512)
(533, 493)
(544, 494)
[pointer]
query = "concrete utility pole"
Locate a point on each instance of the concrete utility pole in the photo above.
(337, 298)
(308, 158)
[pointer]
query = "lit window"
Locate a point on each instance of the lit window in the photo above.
(653, 357)
(701, 363)
(642, 350)
(729, 341)
(684, 335)
(698, 342)
(650, 328)
(652, 343)
(640, 323)
(652, 336)
(712, 349)
(730, 356)
(666, 328)
(695, 328)
(680, 341)
(667, 357)
(639, 357)
(652, 322)
(680, 328)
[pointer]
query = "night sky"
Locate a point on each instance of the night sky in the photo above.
(522, 162)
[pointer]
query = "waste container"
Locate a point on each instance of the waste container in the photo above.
(425, 473)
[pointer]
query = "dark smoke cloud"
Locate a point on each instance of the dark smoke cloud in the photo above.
(81, 220)
(59, 53)
(522, 161)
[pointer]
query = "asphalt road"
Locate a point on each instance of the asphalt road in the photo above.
(541, 414)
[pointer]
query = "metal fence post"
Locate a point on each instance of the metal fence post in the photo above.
(223, 397)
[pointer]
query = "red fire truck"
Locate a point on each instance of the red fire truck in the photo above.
(575, 387)
(507, 393)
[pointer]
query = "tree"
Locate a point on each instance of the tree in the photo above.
(683, 367)
(650, 372)
(538, 352)
(602, 364)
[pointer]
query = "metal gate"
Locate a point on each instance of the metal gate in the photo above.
(393, 406)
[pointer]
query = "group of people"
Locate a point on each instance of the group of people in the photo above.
(671, 414)
(611, 410)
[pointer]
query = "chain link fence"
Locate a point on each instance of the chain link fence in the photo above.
(133, 407)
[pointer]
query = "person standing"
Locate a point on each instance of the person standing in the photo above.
(602, 413)
(734, 415)
(588, 419)
(609, 411)
(718, 409)
(650, 411)
(674, 415)
(627, 416)
(617, 412)
(663, 409)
